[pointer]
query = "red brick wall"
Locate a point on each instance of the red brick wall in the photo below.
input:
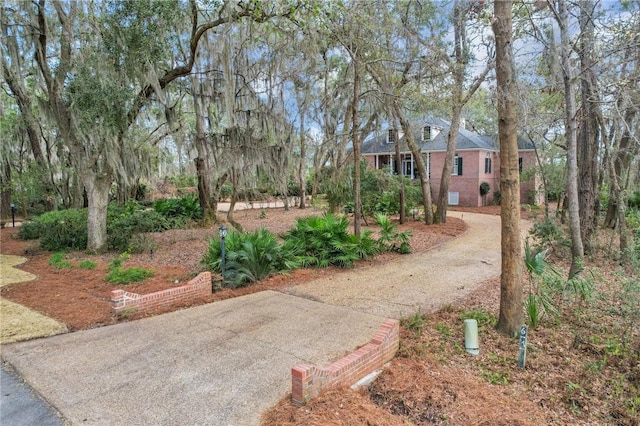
(308, 380)
(197, 287)
(468, 185)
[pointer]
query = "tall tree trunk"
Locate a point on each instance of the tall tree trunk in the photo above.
(511, 299)
(456, 110)
(357, 214)
(5, 190)
(577, 248)
(588, 133)
(97, 188)
(204, 191)
(447, 169)
(232, 203)
(400, 173)
(458, 100)
(301, 168)
(32, 129)
(422, 168)
(621, 159)
(217, 191)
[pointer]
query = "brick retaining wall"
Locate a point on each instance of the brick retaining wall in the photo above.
(197, 287)
(308, 380)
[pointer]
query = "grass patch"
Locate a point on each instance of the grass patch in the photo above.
(58, 261)
(128, 276)
(87, 264)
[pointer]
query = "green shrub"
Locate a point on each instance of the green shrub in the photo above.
(57, 261)
(497, 197)
(484, 188)
(63, 230)
(187, 207)
(225, 191)
(182, 181)
(30, 230)
(120, 230)
(321, 241)
(128, 276)
(634, 200)
(58, 230)
(549, 233)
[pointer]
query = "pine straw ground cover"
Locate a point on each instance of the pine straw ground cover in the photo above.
(583, 368)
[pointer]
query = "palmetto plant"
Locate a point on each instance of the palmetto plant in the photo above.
(321, 241)
(541, 287)
(250, 257)
(390, 239)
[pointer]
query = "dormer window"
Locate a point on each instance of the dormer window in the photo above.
(426, 133)
(391, 136)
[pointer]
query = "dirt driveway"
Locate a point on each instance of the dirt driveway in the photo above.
(421, 282)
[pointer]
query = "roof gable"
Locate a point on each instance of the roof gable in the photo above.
(467, 140)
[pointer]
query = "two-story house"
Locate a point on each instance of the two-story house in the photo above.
(477, 160)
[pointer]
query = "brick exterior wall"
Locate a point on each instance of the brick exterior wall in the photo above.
(197, 287)
(308, 380)
(473, 174)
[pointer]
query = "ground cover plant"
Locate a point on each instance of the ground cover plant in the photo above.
(120, 275)
(57, 260)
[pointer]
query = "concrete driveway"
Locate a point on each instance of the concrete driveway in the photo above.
(225, 362)
(216, 364)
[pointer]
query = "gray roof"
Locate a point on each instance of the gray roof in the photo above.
(467, 140)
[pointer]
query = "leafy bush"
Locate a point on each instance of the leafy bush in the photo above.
(121, 230)
(57, 261)
(63, 229)
(225, 191)
(549, 233)
(182, 181)
(324, 240)
(497, 197)
(187, 207)
(484, 188)
(250, 257)
(634, 200)
(30, 230)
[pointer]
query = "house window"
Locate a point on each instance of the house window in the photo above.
(454, 198)
(520, 164)
(457, 166)
(426, 133)
(487, 164)
(391, 136)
